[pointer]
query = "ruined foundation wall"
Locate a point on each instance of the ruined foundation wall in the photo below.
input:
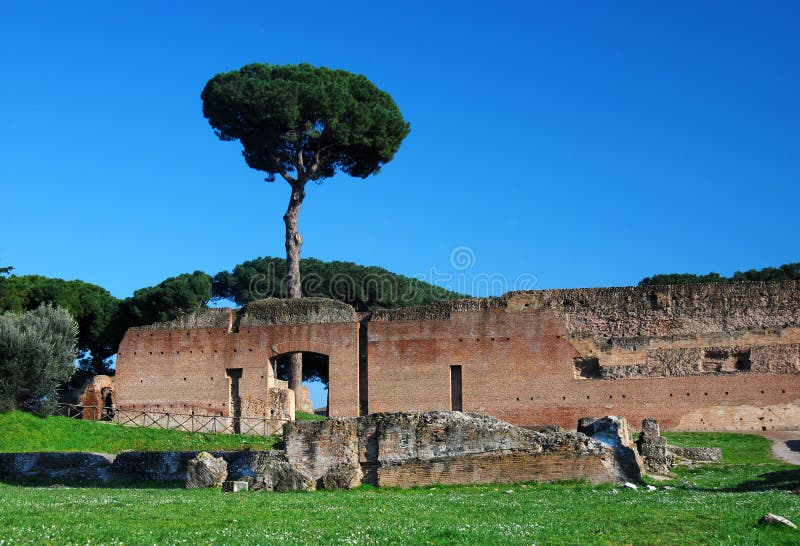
(173, 368)
(700, 357)
(410, 450)
(695, 357)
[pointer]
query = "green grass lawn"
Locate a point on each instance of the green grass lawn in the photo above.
(736, 448)
(300, 416)
(715, 504)
(25, 432)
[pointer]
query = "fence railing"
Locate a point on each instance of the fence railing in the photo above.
(187, 422)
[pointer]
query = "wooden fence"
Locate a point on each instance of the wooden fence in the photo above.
(187, 422)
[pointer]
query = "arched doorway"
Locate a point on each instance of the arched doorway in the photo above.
(316, 379)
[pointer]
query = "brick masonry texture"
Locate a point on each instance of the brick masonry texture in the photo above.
(694, 357)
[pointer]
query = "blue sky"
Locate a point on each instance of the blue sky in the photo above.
(580, 143)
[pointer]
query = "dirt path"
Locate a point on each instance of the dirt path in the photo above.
(785, 445)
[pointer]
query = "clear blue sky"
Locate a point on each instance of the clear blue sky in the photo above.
(586, 143)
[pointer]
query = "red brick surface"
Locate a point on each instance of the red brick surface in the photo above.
(183, 370)
(669, 353)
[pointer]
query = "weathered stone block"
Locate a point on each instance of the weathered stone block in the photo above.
(652, 448)
(614, 432)
(319, 446)
(206, 471)
(235, 486)
(650, 429)
(342, 477)
(158, 466)
(279, 475)
(56, 466)
(411, 449)
(772, 519)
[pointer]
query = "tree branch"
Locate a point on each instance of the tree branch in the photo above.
(286, 176)
(317, 158)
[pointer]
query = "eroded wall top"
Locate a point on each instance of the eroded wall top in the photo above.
(639, 311)
(266, 312)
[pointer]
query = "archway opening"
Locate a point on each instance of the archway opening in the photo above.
(313, 399)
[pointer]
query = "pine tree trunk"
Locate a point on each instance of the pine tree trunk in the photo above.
(293, 243)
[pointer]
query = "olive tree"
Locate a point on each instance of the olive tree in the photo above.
(37, 350)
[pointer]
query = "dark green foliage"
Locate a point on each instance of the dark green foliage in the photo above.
(292, 117)
(680, 278)
(166, 300)
(786, 272)
(37, 349)
(6, 270)
(315, 367)
(93, 307)
(102, 318)
(365, 288)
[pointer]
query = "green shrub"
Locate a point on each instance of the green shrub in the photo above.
(37, 353)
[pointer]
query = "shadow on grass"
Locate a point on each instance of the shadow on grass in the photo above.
(780, 479)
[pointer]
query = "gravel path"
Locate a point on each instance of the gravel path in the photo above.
(785, 445)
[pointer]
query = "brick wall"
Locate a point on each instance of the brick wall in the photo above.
(184, 370)
(654, 351)
(701, 357)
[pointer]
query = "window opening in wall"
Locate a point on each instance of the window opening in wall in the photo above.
(315, 397)
(587, 368)
(726, 360)
(455, 389)
(234, 400)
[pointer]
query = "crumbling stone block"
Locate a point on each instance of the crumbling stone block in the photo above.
(659, 457)
(772, 519)
(412, 449)
(279, 475)
(206, 471)
(320, 446)
(342, 477)
(652, 448)
(235, 486)
(614, 432)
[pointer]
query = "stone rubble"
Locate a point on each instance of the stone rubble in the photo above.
(772, 519)
(279, 475)
(235, 486)
(205, 470)
(404, 450)
(659, 457)
(613, 432)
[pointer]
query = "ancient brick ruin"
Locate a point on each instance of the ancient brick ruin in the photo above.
(414, 449)
(694, 357)
(398, 449)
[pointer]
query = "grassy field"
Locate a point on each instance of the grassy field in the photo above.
(25, 432)
(715, 504)
(300, 416)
